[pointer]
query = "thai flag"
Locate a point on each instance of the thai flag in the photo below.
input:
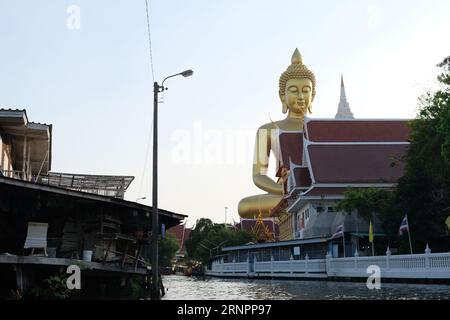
(338, 233)
(404, 226)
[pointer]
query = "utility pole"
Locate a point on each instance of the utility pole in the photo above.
(155, 290)
(155, 223)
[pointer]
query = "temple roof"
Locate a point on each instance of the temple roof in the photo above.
(342, 154)
(302, 177)
(358, 130)
(356, 163)
(249, 224)
(324, 191)
(182, 234)
(291, 149)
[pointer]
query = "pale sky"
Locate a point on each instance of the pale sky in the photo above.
(94, 84)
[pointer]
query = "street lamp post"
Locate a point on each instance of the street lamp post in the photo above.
(155, 223)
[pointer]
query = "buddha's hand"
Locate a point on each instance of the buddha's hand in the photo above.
(283, 179)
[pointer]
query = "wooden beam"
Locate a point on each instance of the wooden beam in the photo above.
(28, 168)
(33, 260)
(24, 155)
(20, 283)
(2, 152)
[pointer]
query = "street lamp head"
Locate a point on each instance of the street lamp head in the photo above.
(187, 73)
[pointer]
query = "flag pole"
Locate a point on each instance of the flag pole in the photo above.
(371, 237)
(409, 234)
(343, 241)
(409, 237)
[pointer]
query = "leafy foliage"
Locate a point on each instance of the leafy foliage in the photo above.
(168, 247)
(365, 201)
(52, 288)
(207, 239)
(135, 288)
(424, 191)
(444, 119)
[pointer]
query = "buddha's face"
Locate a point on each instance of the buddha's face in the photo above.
(298, 95)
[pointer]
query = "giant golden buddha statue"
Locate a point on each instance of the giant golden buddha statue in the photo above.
(297, 88)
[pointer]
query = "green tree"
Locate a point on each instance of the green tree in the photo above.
(444, 119)
(366, 202)
(207, 239)
(424, 190)
(168, 248)
(201, 230)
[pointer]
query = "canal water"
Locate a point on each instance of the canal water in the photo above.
(191, 288)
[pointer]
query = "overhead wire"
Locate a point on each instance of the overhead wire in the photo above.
(153, 78)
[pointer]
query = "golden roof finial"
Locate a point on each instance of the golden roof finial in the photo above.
(296, 57)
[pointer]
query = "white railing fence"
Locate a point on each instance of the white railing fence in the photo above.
(419, 266)
(230, 268)
(290, 266)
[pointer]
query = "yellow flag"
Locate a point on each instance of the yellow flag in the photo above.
(371, 232)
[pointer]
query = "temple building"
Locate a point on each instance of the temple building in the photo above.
(339, 155)
(324, 160)
(317, 161)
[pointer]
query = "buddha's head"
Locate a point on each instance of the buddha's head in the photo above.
(297, 86)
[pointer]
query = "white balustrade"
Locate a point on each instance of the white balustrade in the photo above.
(291, 266)
(227, 268)
(418, 266)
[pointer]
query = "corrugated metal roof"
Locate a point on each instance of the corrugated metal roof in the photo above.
(97, 184)
(25, 113)
(15, 110)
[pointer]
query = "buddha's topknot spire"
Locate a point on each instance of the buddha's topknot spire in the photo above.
(296, 57)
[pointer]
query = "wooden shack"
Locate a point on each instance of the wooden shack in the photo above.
(113, 229)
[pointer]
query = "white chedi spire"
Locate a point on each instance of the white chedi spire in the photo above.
(344, 111)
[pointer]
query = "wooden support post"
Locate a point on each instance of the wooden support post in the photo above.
(125, 254)
(2, 152)
(161, 286)
(24, 156)
(107, 250)
(28, 168)
(136, 258)
(20, 279)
